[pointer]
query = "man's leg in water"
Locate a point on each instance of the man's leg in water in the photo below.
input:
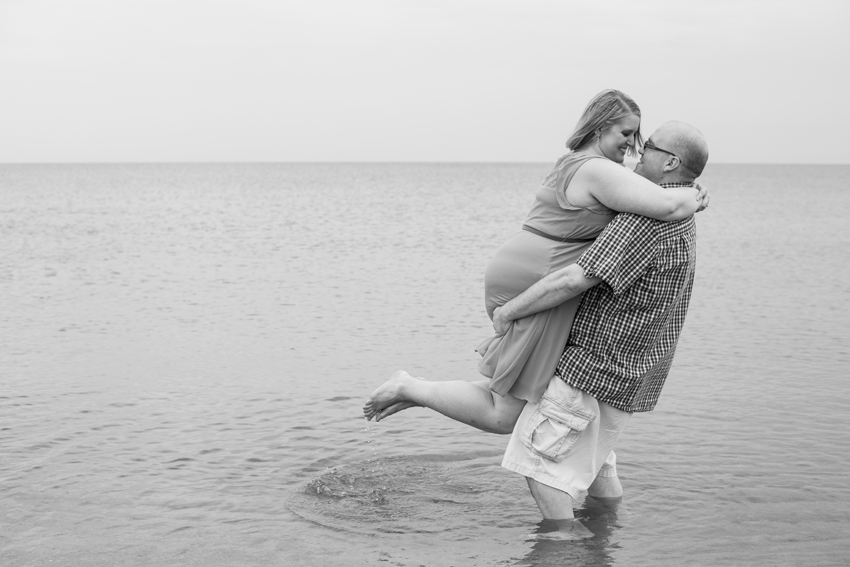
(564, 445)
(556, 506)
(471, 403)
(607, 485)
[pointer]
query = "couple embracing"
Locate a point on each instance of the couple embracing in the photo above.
(587, 302)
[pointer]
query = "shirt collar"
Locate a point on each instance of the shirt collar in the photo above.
(677, 184)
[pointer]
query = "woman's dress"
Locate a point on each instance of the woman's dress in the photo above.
(523, 361)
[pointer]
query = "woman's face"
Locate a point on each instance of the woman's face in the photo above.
(616, 139)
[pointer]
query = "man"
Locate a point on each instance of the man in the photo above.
(638, 276)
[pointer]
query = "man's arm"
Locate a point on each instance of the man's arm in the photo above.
(552, 290)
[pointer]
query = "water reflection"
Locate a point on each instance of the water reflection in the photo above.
(601, 516)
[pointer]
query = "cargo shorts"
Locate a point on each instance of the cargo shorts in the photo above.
(566, 439)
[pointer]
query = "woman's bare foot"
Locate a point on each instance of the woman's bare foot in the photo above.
(395, 408)
(387, 394)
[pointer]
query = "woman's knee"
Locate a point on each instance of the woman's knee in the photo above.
(507, 413)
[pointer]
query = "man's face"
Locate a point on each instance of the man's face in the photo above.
(652, 159)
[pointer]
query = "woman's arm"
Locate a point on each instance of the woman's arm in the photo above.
(624, 191)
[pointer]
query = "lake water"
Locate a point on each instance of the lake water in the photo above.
(185, 349)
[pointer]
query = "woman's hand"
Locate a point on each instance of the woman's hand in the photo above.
(702, 196)
(501, 324)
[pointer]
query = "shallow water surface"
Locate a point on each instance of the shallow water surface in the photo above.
(185, 349)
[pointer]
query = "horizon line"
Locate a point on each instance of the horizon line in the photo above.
(363, 162)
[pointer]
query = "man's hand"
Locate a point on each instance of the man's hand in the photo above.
(552, 290)
(501, 323)
(702, 196)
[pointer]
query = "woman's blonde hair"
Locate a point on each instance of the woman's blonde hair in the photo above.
(604, 109)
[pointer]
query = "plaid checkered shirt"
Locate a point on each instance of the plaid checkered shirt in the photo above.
(625, 331)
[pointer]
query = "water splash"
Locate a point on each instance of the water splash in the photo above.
(413, 494)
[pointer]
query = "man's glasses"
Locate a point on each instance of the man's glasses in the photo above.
(651, 146)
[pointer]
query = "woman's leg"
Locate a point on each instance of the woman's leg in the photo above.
(471, 403)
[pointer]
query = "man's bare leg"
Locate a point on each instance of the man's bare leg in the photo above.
(606, 487)
(554, 504)
(467, 402)
(557, 507)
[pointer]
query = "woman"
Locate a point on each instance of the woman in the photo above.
(582, 194)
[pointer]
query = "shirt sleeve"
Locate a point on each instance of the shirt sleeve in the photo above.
(622, 253)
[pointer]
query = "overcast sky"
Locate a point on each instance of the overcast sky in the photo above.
(427, 80)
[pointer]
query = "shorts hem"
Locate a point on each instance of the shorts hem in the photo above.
(607, 472)
(542, 478)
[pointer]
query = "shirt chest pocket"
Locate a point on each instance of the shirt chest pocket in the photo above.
(672, 257)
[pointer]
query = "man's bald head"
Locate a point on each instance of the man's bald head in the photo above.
(675, 153)
(687, 143)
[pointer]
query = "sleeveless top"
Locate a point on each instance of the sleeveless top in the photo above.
(547, 212)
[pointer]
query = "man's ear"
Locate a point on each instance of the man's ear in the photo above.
(672, 163)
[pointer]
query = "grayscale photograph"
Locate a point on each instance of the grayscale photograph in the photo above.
(424, 284)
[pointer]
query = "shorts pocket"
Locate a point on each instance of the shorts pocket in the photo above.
(553, 429)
